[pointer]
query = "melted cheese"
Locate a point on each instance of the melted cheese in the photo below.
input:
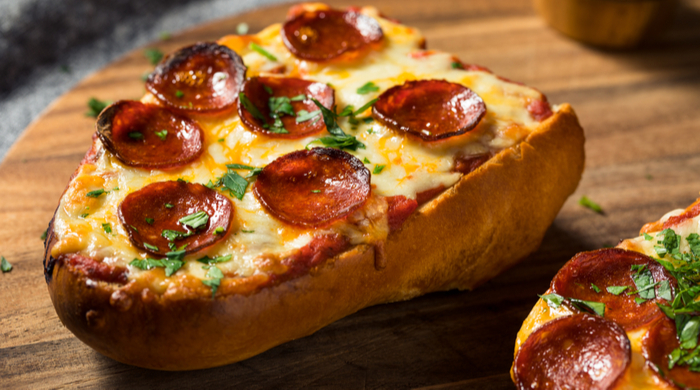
(411, 166)
(638, 375)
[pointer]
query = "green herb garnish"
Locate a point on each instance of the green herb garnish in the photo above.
(367, 88)
(595, 288)
(162, 134)
(107, 227)
(150, 247)
(585, 202)
(235, 183)
(95, 107)
(5, 265)
(378, 169)
(196, 220)
(154, 55)
(257, 48)
(179, 94)
(616, 290)
(136, 135)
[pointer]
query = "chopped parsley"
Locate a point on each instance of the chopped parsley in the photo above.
(218, 230)
(107, 227)
(298, 98)
(247, 231)
(586, 202)
(162, 134)
(553, 300)
(257, 48)
(378, 169)
(366, 160)
(172, 235)
(644, 281)
(215, 276)
(556, 300)
(616, 290)
(218, 259)
(149, 221)
(196, 220)
(589, 306)
(43, 235)
(339, 139)
(457, 65)
(95, 107)
(84, 215)
(235, 183)
(647, 237)
(316, 191)
(169, 206)
(303, 115)
(369, 87)
(179, 94)
(250, 107)
(136, 135)
(154, 55)
(5, 265)
(595, 288)
(242, 28)
(171, 266)
(150, 247)
(254, 171)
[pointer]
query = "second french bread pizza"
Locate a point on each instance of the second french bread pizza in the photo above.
(620, 318)
(267, 185)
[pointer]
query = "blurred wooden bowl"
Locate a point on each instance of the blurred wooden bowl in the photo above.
(608, 23)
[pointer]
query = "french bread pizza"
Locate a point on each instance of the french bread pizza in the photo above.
(620, 318)
(267, 185)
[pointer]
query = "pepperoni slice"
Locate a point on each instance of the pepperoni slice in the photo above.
(268, 93)
(606, 268)
(580, 351)
(149, 136)
(430, 109)
(153, 217)
(324, 34)
(468, 164)
(399, 209)
(539, 109)
(313, 187)
(657, 345)
(204, 77)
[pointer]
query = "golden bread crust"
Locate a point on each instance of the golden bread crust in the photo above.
(489, 220)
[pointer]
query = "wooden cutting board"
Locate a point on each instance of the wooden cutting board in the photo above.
(641, 113)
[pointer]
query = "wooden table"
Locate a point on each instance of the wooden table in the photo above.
(641, 113)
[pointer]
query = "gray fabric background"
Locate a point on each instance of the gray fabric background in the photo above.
(47, 46)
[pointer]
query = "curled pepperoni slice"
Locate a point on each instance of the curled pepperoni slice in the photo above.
(612, 268)
(324, 34)
(578, 352)
(173, 214)
(313, 187)
(282, 99)
(149, 136)
(657, 345)
(430, 109)
(204, 77)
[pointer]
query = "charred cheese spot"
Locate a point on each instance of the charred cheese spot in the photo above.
(411, 166)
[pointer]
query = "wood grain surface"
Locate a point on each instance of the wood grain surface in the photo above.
(641, 113)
